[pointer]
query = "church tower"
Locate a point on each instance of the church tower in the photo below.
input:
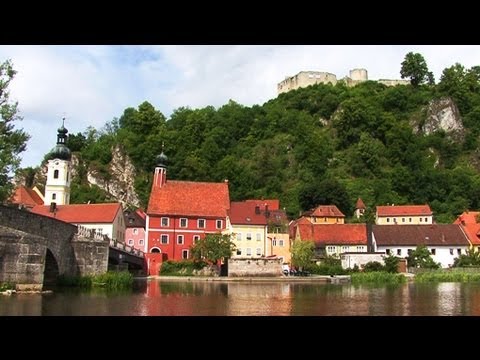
(57, 189)
(160, 174)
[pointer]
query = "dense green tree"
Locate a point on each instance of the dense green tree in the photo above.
(12, 141)
(415, 67)
(421, 258)
(471, 258)
(302, 253)
(213, 247)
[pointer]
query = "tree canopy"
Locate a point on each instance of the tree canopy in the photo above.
(12, 141)
(415, 67)
(213, 247)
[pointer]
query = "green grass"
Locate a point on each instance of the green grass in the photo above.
(6, 286)
(377, 277)
(447, 276)
(109, 280)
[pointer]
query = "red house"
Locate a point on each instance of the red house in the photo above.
(182, 212)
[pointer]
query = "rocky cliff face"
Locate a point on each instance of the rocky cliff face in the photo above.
(442, 114)
(120, 186)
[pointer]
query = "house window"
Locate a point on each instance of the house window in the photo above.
(420, 219)
(140, 242)
(403, 220)
(130, 242)
(399, 252)
(426, 220)
(239, 237)
(259, 236)
(409, 219)
(196, 238)
(54, 196)
(183, 222)
(184, 254)
(451, 251)
(388, 219)
(359, 248)
(239, 251)
(164, 221)
(459, 251)
(249, 252)
(274, 242)
(135, 231)
(280, 242)
(249, 236)
(164, 239)
(344, 248)
(434, 251)
(219, 224)
(259, 251)
(55, 174)
(387, 251)
(330, 248)
(180, 240)
(201, 223)
(409, 251)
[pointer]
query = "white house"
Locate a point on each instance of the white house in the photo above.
(404, 215)
(444, 241)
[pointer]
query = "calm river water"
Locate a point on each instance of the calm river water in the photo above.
(167, 298)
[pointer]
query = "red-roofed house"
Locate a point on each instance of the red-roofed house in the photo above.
(182, 212)
(333, 239)
(271, 204)
(106, 219)
(249, 226)
(404, 215)
(26, 197)
(326, 214)
(470, 226)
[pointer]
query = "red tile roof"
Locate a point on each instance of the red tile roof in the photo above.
(81, 213)
(273, 204)
(25, 196)
(327, 211)
(414, 235)
(333, 234)
(404, 210)
(133, 219)
(190, 198)
(243, 213)
(360, 204)
(468, 222)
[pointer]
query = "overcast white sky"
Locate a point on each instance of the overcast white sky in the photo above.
(91, 85)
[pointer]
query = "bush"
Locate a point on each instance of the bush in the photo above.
(391, 264)
(6, 286)
(377, 277)
(181, 268)
(373, 266)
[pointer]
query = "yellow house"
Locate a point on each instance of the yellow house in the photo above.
(249, 226)
(404, 215)
(326, 214)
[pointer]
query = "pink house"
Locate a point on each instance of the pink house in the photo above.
(135, 229)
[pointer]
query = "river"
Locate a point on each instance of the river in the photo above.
(188, 298)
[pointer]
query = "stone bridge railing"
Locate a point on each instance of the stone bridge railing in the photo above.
(126, 248)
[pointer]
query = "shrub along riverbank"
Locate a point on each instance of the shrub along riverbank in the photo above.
(109, 280)
(452, 275)
(377, 277)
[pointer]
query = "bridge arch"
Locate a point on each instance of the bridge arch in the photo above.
(155, 250)
(51, 270)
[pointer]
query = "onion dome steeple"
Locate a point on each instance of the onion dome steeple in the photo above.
(61, 151)
(162, 159)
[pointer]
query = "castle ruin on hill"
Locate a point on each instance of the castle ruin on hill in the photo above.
(307, 78)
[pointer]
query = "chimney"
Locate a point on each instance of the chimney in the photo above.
(53, 207)
(257, 209)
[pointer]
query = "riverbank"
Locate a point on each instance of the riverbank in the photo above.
(226, 279)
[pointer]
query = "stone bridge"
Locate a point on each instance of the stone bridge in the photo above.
(35, 249)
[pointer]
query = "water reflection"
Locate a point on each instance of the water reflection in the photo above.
(191, 298)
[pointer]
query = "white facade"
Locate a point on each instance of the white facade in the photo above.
(57, 187)
(445, 255)
(404, 220)
(335, 250)
(250, 240)
(114, 230)
(350, 260)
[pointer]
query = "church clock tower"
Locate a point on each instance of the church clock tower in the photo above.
(57, 189)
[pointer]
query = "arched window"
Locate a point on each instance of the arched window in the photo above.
(155, 250)
(54, 196)
(55, 174)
